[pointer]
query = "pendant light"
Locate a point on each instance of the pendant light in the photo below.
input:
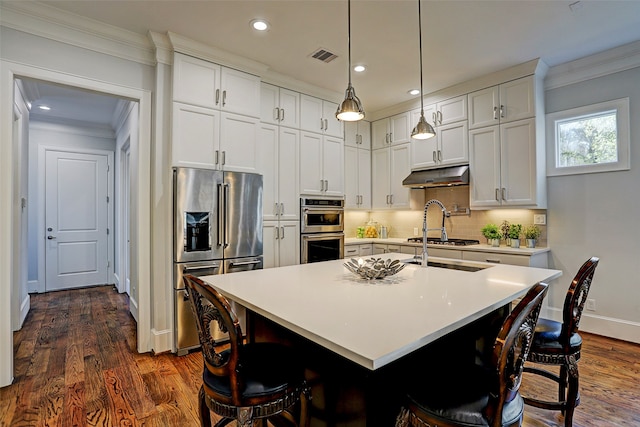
(351, 108)
(423, 130)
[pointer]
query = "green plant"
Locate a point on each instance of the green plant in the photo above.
(491, 231)
(515, 230)
(532, 232)
(504, 228)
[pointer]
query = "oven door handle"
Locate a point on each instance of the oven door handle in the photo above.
(337, 211)
(235, 264)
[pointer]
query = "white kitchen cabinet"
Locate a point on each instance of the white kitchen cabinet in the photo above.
(445, 112)
(357, 178)
(506, 166)
(206, 138)
(321, 164)
(391, 131)
(278, 156)
(318, 115)
(281, 243)
(358, 250)
(380, 248)
(507, 102)
(205, 84)
(539, 260)
(357, 134)
(279, 106)
(389, 166)
(449, 147)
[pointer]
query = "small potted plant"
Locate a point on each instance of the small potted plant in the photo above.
(504, 229)
(492, 233)
(532, 233)
(514, 234)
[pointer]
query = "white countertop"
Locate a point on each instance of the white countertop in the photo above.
(360, 319)
(482, 247)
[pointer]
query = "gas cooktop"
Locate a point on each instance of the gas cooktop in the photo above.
(450, 242)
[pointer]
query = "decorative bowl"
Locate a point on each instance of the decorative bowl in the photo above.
(374, 268)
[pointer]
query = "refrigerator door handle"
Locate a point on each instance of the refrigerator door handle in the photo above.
(226, 215)
(220, 214)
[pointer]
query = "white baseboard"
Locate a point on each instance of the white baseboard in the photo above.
(25, 306)
(602, 325)
(162, 340)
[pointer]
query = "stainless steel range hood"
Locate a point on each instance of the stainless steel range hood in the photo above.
(453, 175)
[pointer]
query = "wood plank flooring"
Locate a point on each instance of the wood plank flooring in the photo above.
(76, 365)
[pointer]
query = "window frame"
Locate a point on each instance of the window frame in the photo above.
(621, 106)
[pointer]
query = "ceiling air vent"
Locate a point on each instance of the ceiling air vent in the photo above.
(324, 55)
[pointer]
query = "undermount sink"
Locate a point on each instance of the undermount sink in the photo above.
(453, 265)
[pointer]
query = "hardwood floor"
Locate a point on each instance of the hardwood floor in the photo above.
(76, 365)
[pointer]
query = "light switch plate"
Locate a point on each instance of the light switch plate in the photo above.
(540, 219)
(415, 231)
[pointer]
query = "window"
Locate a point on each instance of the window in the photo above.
(589, 139)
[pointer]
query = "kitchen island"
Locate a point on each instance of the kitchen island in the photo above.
(362, 339)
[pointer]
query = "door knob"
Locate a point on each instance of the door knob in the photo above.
(50, 237)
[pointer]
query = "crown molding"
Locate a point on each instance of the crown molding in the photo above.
(219, 56)
(600, 64)
(163, 48)
(49, 22)
(282, 80)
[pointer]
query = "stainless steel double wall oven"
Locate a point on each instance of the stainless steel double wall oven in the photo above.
(217, 229)
(321, 229)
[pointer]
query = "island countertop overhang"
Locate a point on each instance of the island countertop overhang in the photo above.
(358, 319)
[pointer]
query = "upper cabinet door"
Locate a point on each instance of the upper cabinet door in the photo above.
(195, 81)
(452, 110)
(484, 107)
(333, 126)
(269, 104)
(400, 129)
(517, 100)
(195, 136)
(311, 114)
(240, 92)
(289, 108)
(238, 143)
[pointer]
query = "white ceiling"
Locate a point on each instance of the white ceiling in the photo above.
(461, 39)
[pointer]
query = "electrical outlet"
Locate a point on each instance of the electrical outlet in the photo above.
(591, 304)
(415, 231)
(540, 219)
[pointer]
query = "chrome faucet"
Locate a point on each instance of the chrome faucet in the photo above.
(443, 231)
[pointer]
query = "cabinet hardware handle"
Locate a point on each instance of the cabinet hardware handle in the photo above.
(326, 185)
(434, 118)
(495, 113)
(281, 233)
(275, 234)
(282, 116)
(281, 208)
(434, 156)
(494, 261)
(390, 199)
(387, 199)
(322, 185)
(502, 111)
(224, 98)
(497, 194)
(224, 157)
(217, 96)
(276, 211)
(321, 124)
(326, 124)
(216, 157)
(504, 194)
(351, 251)
(390, 137)
(276, 114)
(440, 155)
(440, 117)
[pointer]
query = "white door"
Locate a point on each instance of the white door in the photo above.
(75, 220)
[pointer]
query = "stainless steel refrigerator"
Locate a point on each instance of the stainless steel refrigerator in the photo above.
(217, 230)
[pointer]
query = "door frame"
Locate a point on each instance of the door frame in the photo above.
(42, 154)
(140, 191)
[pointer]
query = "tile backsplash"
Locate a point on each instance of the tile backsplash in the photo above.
(401, 223)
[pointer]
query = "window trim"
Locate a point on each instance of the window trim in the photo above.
(621, 106)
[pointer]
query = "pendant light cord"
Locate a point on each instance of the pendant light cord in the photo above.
(420, 41)
(349, 36)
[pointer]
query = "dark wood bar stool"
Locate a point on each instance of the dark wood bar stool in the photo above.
(559, 344)
(245, 382)
(477, 395)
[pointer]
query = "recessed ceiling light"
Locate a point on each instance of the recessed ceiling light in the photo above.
(414, 92)
(260, 25)
(359, 68)
(44, 107)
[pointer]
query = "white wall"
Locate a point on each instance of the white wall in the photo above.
(597, 215)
